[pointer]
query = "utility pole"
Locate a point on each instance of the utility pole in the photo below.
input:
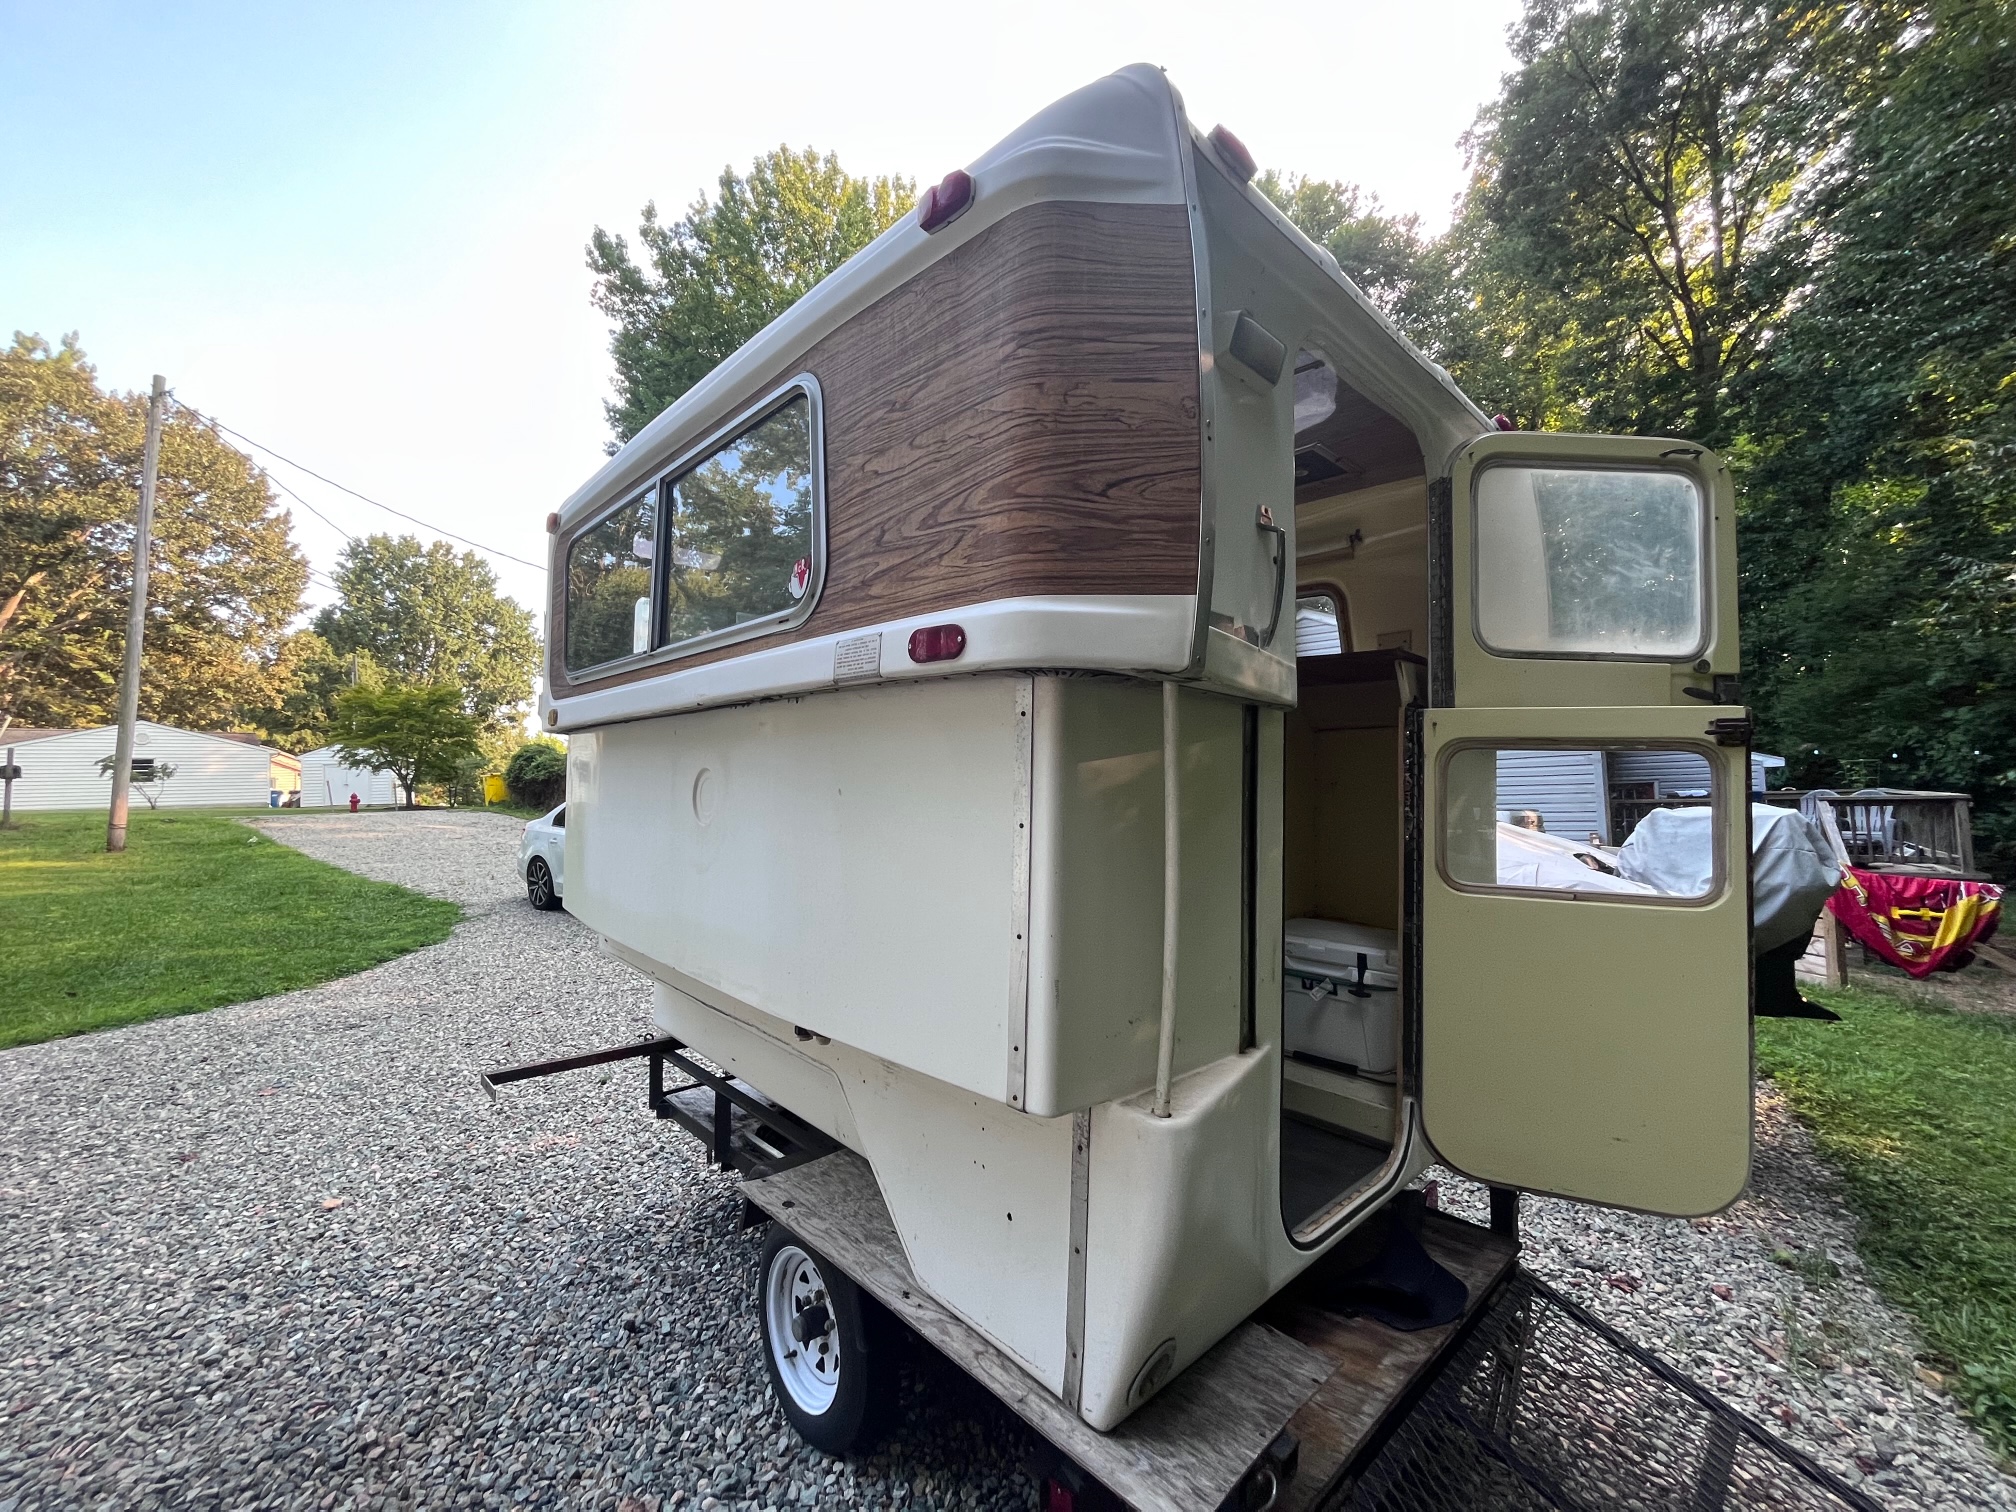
(136, 624)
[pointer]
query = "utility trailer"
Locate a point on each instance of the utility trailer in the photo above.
(1522, 1399)
(942, 750)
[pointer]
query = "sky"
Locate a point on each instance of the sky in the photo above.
(355, 234)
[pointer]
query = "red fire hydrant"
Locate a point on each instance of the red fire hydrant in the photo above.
(353, 803)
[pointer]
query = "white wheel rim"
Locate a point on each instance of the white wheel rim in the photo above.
(810, 1370)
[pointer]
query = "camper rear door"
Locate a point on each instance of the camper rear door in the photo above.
(1582, 1031)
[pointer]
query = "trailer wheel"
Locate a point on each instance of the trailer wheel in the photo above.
(828, 1348)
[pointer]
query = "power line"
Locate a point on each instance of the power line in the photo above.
(345, 488)
(310, 508)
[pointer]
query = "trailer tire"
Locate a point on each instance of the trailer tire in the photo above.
(830, 1350)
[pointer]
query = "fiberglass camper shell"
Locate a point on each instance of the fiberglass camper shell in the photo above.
(940, 749)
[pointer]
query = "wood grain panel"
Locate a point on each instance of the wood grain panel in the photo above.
(1021, 418)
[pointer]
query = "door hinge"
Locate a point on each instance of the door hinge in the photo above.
(1732, 732)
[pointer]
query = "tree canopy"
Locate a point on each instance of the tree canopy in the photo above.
(1783, 228)
(226, 578)
(428, 614)
(709, 281)
(419, 732)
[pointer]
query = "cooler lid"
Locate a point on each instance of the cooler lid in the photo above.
(1337, 944)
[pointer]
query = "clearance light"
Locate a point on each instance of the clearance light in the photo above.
(552, 522)
(1233, 154)
(937, 643)
(1503, 422)
(944, 200)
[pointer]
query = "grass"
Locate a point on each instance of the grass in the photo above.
(198, 912)
(1915, 1103)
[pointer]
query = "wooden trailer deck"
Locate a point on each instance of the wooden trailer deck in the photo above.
(1328, 1379)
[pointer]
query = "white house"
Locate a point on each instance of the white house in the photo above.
(327, 783)
(59, 768)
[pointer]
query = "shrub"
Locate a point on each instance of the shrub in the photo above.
(536, 774)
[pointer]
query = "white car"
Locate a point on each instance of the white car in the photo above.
(541, 857)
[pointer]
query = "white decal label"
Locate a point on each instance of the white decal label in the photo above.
(857, 658)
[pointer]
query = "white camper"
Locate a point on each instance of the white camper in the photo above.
(940, 749)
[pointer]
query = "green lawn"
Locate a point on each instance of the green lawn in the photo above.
(1916, 1105)
(199, 911)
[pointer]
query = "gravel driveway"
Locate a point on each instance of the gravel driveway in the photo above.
(287, 1254)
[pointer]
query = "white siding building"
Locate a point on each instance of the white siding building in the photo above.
(1570, 790)
(327, 783)
(59, 769)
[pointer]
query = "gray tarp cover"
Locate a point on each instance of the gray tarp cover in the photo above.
(1791, 868)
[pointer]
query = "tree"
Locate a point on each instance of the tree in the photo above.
(426, 614)
(709, 282)
(226, 578)
(1640, 175)
(418, 732)
(145, 777)
(536, 775)
(1880, 518)
(1384, 255)
(295, 706)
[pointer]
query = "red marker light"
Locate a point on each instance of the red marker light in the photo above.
(1503, 422)
(935, 643)
(944, 200)
(552, 522)
(1232, 152)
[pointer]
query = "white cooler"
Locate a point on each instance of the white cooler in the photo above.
(1340, 993)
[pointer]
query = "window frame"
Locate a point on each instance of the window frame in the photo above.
(661, 484)
(1706, 538)
(1719, 803)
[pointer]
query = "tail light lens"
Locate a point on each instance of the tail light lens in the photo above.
(936, 643)
(943, 201)
(1233, 154)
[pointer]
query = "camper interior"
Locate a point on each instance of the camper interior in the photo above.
(1361, 506)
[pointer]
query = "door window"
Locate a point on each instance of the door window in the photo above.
(1590, 562)
(1571, 822)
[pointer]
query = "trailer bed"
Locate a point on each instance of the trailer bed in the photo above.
(1330, 1380)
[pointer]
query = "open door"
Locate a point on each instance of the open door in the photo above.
(1584, 969)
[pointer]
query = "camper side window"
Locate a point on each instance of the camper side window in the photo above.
(741, 530)
(1633, 824)
(1590, 562)
(609, 585)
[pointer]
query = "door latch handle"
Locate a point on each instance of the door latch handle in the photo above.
(1732, 732)
(1725, 690)
(1266, 525)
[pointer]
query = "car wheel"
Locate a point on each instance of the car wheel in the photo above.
(539, 885)
(831, 1351)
